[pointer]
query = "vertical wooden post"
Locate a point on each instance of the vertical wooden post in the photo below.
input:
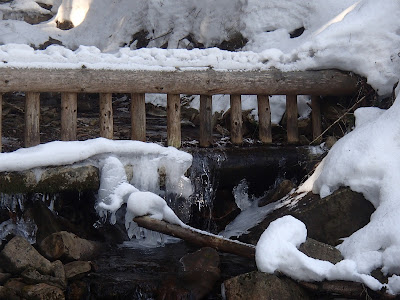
(206, 128)
(69, 111)
(138, 117)
(174, 120)
(316, 118)
(264, 119)
(236, 120)
(292, 116)
(106, 116)
(1, 120)
(32, 115)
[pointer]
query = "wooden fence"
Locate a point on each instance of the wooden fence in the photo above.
(205, 83)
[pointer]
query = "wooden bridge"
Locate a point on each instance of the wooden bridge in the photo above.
(205, 83)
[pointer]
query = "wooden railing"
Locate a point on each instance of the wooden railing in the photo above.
(205, 83)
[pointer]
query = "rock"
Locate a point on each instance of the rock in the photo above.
(18, 254)
(77, 290)
(4, 277)
(257, 285)
(58, 270)
(77, 268)
(68, 246)
(3, 294)
(199, 275)
(330, 141)
(318, 250)
(43, 291)
(13, 289)
(31, 276)
(282, 190)
(328, 220)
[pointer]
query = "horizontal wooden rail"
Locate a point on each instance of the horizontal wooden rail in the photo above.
(195, 82)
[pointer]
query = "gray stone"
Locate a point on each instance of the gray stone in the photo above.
(76, 269)
(328, 220)
(42, 291)
(258, 285)
(18, 254)
(58, 270)
(13, 289)
(31, 276)
(318, 250)
(68, 246)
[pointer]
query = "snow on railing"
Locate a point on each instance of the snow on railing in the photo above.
(203, 82)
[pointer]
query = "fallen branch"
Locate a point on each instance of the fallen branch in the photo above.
(197, 237)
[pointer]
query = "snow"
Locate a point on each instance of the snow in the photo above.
(361, 36)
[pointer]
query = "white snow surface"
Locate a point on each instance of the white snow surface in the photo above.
(360, 36)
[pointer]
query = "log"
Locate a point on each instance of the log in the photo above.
(32, 115)
(138, 117)
(316, 119)
(236, 120)
(195, 82)
(69, 111)
(206, 127)
(264, 119)
(292, 123)
(174, 120)
(196, 237)
(106, 116)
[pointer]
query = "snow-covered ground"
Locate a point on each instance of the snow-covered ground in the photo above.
(359, 36)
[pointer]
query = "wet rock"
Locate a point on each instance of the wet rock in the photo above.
(3, 292)
(200, 273)
(58, 270)
(18, 255)
(13, 289)
(328, 220)
(68, 246)
(282, 190)
(257, 285)
(76, 269)
(42, 291)
(77, 290)
(31, 276)
(4, 277)
(318, 250)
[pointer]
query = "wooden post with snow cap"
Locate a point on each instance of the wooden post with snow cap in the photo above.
(292, 116)
(106, 116)
(32, 115)
(236, 120)
(69, 111)
(138, 117)
(174, 120)
(206, 127)
(264, 119)
(316, 119)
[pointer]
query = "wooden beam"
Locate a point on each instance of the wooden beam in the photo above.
(236, 120)
(292, 126)
(196, 237)
(106, 116)
(264, 119)
(32, 116)
(69, 112)
(174, 120)
(138, 117)
(316, 118)
(197, 82)
(206, 126)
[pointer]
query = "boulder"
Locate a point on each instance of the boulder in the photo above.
(68, 246)
(77, 290)
(4, 277)
(31, 276)
(13, 289)
(258, 285)
(328, 219)
(18, 255)
(318, 250)
(43, 291)
(76, 269)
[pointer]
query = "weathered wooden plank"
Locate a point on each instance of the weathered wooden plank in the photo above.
(174, 120)
(106, 116)
(69, 113)
(138, 117)
(236, 120)
(316, 118)
(206, 127)
(264, 119)
(32, 116)
(210, 82)
(292, 116)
